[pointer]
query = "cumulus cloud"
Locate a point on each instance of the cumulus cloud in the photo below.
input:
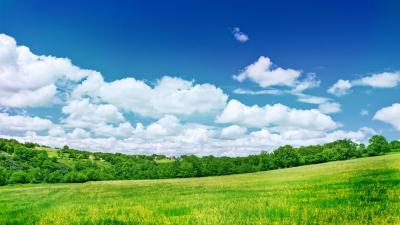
(379, 80)
(167, 125)
(20, 123)
(264, 74)
(340, 88)
(78, 133)
(94, 110)
(56, 131)
(170, 95)
(277, 115)
(239, 36)
(82, 113)
(329, 107)
(390, 115)
(233, 131)
(200, 140)
(28, 80)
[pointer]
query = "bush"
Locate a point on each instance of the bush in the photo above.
(3, 177)
(18, 176)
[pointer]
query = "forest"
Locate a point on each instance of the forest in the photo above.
(32, 163)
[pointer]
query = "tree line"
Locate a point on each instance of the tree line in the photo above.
(32, 163)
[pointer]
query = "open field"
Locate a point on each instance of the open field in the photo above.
(360, 191)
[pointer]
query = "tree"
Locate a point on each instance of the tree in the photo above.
(286, 156)
(36, 175)
(18, 176)
(186, 169)
(3, 177)
(362, 149)
(377, 145)
(395, 146)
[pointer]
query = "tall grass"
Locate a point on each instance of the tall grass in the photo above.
(360, 191)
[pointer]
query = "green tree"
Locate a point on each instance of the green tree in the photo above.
(377, 145)
(17, 177)
(286, 156)
(3, 177)
(395, 146)
(186, 169)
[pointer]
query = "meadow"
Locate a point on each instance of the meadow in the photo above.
(358, 191)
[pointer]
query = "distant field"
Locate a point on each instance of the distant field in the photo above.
(360, 191)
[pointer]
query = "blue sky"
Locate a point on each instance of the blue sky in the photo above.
(194, 44)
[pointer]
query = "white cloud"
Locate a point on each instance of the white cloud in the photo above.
(167, 125)
(330, 107)
(310, 99)
(380, 80)
(78, 133)
(170, 95)
(82, 113)
(199, 140)
(28, 98)
(241, 91)
(122, 130)
(233, 131)
(19, 123)
(340, 88)
(239, 36)
(56, 131)
(364, 112)
(390, 115)
(310, 81)
(263, 73)
(28, 80)
(325, 104)
(277, 115)
(94, 120)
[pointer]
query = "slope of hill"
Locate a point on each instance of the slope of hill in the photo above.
(359, 191)
(31, 163)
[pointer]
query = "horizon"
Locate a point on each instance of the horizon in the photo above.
(190, 78)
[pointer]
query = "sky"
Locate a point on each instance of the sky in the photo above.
(200, 77)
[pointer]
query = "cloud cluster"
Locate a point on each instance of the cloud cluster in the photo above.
(379, 80)
(29, 80)
(198, 140)
(264, 74)
(278, 116)
(239, 36)
(21, 124)
(83, 114)
(390, 115)
(97, 114)
(170, 95)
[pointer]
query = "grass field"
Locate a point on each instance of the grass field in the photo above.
(360, 191)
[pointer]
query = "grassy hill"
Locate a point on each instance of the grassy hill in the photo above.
(359, 191)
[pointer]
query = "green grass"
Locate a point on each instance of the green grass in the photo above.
(360, 191)
(51, 152)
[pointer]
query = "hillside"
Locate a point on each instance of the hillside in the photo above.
(359, 191)
(32, 163)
